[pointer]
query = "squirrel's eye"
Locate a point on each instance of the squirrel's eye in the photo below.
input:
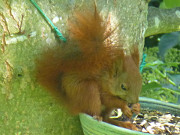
(123, 87)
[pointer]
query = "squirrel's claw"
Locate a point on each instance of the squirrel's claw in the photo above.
(98, 118)
(127, 124)
(127, 111)
(136, 108)
(131, 126)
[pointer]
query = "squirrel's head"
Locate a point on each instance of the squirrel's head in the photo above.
(124, 79)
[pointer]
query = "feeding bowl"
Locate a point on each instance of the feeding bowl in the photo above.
(93, 127)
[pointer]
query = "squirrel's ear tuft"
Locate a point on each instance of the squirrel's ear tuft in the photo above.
(135, 55)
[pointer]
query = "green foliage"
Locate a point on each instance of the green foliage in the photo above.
(173, 55)
(168, 41)
(155, 3)
(170, 4)
(161, 79)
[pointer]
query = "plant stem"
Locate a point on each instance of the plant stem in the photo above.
(177, 92)
(165, 77)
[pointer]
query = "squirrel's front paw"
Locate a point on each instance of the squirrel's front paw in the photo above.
(136, 108)
(98, 118)
(127, 111)
(129, 125)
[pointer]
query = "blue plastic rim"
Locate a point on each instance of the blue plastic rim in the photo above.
(93, 127)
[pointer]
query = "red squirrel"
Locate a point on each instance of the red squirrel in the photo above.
(89, 74)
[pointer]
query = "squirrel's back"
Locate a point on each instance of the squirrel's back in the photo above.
(86, 49)
(89, 72)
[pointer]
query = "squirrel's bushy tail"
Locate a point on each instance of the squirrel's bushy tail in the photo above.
(89, 32)
(86, 52)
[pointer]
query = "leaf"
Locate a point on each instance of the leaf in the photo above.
(152, 85)
(162, 5)
(175, 78)
(172, 3)
(174, 64)
(154, 64)
(168, 41)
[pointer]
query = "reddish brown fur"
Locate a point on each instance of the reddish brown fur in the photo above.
(87, 73)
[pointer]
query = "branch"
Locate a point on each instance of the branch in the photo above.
(162, 21)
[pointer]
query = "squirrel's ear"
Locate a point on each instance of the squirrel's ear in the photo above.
(135, 55)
